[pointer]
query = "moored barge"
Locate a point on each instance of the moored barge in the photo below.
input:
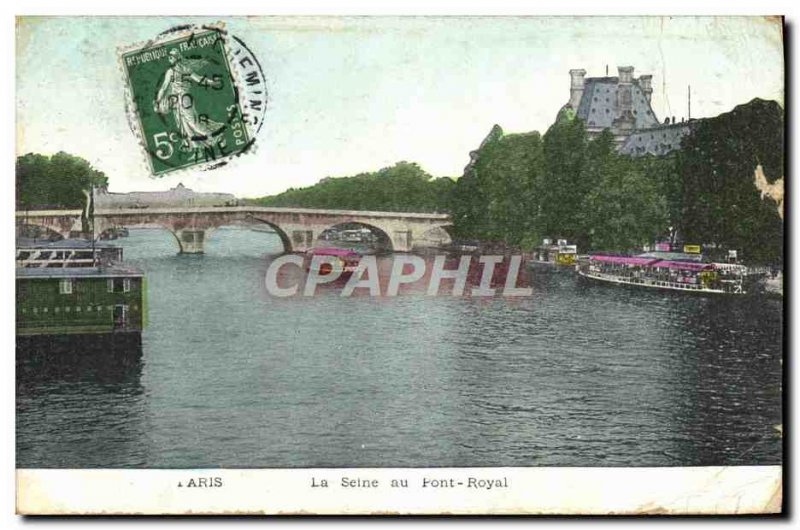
(660, 272)
(75, 288)
(553, 257)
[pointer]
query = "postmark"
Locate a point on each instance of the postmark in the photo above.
(196, 98)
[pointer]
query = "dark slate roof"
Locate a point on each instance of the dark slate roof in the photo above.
(598, 105)
(24, 242)
(656, 141)
(113, 271)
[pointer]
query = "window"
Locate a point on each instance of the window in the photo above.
(65, 286)
(119, 285)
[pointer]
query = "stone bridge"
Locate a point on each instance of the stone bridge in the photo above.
(298, 228)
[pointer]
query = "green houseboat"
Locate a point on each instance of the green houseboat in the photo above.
(75, 288)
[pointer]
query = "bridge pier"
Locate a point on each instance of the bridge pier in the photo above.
(191, 240)
(401, 240)
(302, 240)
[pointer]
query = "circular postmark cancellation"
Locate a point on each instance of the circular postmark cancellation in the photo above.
(196, 97)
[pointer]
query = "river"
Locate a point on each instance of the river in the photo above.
(574, 375)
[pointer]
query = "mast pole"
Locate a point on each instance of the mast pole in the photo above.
(690, 102)
(91, 218)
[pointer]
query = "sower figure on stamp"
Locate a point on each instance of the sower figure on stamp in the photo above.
(175, 96)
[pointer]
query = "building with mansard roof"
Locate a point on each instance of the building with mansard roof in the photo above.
(621, 104)
(179, 196)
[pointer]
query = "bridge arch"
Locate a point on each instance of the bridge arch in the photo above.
(379, 239)
(103, 225)
(287, 242)
(434, 237)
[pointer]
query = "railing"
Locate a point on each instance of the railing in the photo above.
(35, 258)
(649, 282)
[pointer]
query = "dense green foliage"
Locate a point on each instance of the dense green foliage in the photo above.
(404, 187)
(56, 181)
(720, 202)
(494, 200)
(521, 188)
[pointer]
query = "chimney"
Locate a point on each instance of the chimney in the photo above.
(625, 92)
(646, 84)
(576, 87)
(625, 75)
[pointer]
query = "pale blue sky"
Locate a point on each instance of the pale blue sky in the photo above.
(356, 94)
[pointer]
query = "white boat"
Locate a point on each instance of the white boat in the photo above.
(653, 272)
(554, 257)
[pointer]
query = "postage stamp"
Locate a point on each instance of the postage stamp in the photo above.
(187, 98)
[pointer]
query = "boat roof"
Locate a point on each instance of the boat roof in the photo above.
(624, 260)
(672, 256)
(113, 271)
(24, 242)
(683, 265)
(644, 261)
(332, 251)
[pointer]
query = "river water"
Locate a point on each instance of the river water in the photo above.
(575, 375)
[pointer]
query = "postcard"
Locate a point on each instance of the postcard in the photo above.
(399, 265)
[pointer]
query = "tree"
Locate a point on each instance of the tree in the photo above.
(663, 172)
(494, 199)
(58, 181)
(404, 187)
(625, 210)
(562, 186)
(721, 204)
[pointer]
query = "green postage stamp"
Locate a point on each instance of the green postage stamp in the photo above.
(185, 101)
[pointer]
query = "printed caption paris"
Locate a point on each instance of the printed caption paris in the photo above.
(426, 482)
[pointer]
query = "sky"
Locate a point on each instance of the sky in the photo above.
(355, 94)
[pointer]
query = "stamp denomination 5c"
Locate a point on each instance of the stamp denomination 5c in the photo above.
(185, 102)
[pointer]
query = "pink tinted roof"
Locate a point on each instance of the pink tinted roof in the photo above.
(624, 260)
(684, 265)
(333, 251)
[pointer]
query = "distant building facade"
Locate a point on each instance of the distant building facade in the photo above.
(621, 104)
(179, 196)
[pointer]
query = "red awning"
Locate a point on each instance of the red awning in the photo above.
(332, 251)
(624, 260)
(684, 265)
